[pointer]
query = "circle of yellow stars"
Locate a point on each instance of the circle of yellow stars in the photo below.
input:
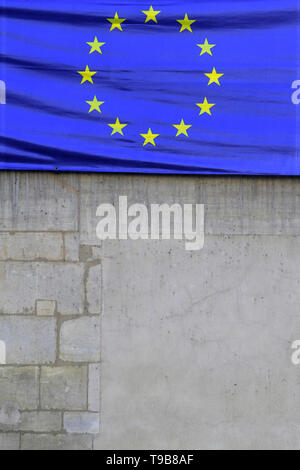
(151, 15)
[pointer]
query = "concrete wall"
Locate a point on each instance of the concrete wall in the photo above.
(195, 346)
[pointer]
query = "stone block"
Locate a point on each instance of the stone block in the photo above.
(40, 421)
(56, 442)
(45, 308)
(9, 415)
(19, 385)
(28, 340)
(81, 423)
(2, 352)
(80, 340)
(64, 388)
(9, 441)
(38, 201)
(93, 289)
(21, 284)
(245, 206)
(72, 246)
(94, 387)
(31, 246)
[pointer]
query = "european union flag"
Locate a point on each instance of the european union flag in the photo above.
(201, 87)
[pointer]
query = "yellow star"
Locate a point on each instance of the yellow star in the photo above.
(117, 127)
(214, 77)
(151, 15)
(186, 23)
(95, 46)
(87, 75)
(205, 107)
(181, 128)
(206, 47)
(95, 105)
(116, 22)
(149, 138)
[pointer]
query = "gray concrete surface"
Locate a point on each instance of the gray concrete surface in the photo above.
(161, 347)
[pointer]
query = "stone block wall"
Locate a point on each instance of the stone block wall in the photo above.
(195, 346)
(50, 308)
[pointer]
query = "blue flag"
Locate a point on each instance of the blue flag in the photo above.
(195, 87)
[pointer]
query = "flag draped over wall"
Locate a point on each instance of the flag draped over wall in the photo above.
(200, 87)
